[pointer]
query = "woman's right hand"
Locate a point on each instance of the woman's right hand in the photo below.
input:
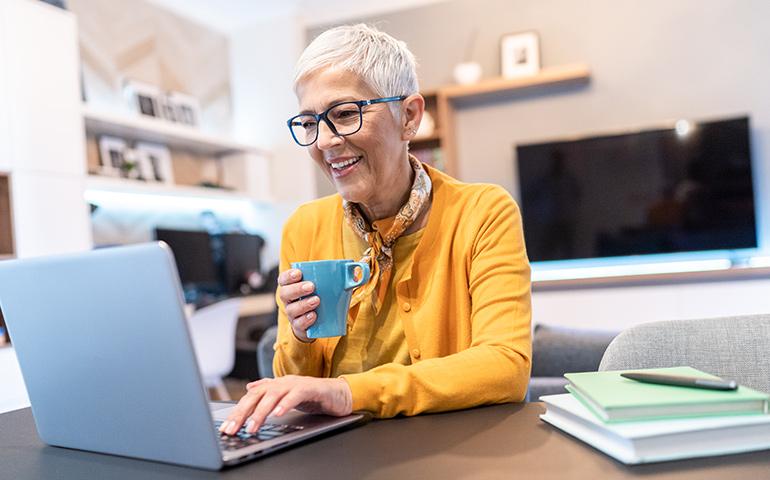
(300, 312)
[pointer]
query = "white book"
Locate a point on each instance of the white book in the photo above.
(658, 440)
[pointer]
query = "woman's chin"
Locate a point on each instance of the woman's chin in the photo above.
(350, 193)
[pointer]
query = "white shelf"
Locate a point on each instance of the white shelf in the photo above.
(144, 128)
(123, 185)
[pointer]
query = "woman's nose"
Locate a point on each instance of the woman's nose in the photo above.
(326, 137)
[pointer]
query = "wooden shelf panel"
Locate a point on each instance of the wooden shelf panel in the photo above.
(148, 129)
(122, 185)
(547, 76)
(6, 219)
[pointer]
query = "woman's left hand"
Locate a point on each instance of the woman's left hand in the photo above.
(276, 396)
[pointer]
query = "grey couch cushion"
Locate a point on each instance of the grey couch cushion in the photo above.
(731, 347)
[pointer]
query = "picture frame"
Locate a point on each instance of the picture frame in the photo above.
(519, 54)
(145, 98)
(186, 108)
(111, 155)
(154, 162)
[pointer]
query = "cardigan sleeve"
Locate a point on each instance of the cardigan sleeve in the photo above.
(293, 357)
(495, 367)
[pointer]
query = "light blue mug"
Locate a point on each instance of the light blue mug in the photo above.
(334, 282)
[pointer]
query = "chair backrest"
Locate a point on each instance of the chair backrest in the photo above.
(212, 329)
(265, 352)
(736, 348)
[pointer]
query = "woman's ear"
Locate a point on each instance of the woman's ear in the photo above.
(412, 108)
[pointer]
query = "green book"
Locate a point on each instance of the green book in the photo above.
(613, 398)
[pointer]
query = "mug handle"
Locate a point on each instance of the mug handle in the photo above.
(350, 281)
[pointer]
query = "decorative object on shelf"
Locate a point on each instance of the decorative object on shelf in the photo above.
(427, 126)
(520, 54)
(144, 98)
(111, 155)
(186, 108)
(175, 107)
(155, 161)
(468, 71)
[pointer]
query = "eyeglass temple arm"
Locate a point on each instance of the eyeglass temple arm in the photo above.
(383, 100)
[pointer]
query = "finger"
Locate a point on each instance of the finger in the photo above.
(289, 401)
(302, 307)
(256, 383)
(287, 277)
(266, 405)
(291, 293)
(304, 322)
(245, 407)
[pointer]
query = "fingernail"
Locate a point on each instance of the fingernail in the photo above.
(307, 287)
(225, 426)
(294, 274)
(309, 316)
(233, 428)
(313, 301)
(250, 426)
(277, 411)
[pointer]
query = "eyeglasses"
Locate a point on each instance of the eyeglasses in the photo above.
(342, 119)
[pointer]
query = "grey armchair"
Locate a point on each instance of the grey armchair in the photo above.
(731, 347)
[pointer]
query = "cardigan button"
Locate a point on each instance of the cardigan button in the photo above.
(406, 306)
(416, 352)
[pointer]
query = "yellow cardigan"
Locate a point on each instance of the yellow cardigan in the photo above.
(465, 305)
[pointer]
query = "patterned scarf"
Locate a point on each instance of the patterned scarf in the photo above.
(379, 255)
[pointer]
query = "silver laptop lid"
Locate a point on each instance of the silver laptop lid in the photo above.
(105, 353)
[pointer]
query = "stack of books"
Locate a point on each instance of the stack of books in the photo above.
(637, 422)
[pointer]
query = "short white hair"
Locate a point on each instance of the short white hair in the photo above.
(384, 63)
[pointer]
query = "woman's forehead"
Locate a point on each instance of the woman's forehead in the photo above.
(328, 86)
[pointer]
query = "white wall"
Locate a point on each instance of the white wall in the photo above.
(616, 308)
(262, 58)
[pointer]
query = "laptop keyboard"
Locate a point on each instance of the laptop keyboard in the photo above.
(267, 431)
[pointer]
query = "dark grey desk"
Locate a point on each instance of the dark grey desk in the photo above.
(506, 441)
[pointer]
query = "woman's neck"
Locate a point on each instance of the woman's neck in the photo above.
(392, 202)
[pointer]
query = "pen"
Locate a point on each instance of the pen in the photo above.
(682, 381)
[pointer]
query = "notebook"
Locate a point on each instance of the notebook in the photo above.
(614, 398)
(658, 440)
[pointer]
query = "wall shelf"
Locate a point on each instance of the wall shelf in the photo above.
(123, 185)
(547, 76)
(440, 101)
(148, 129)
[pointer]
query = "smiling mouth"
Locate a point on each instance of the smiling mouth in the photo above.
(344, 164)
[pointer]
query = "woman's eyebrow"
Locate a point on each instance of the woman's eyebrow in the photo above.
(348, 98)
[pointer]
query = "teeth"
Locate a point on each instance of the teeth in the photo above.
(345, 163)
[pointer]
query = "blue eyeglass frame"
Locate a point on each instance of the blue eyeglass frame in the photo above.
(323, 116)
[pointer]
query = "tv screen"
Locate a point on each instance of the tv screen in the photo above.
(682, 189)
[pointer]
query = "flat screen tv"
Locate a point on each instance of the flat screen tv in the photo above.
(667, 190)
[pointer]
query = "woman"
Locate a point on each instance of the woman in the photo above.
(444, 321)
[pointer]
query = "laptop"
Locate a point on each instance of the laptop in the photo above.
(109, 366)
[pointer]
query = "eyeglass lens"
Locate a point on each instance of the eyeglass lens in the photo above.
(346, 118)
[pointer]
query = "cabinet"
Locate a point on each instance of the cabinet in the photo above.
(442, 102)
(42, 151)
